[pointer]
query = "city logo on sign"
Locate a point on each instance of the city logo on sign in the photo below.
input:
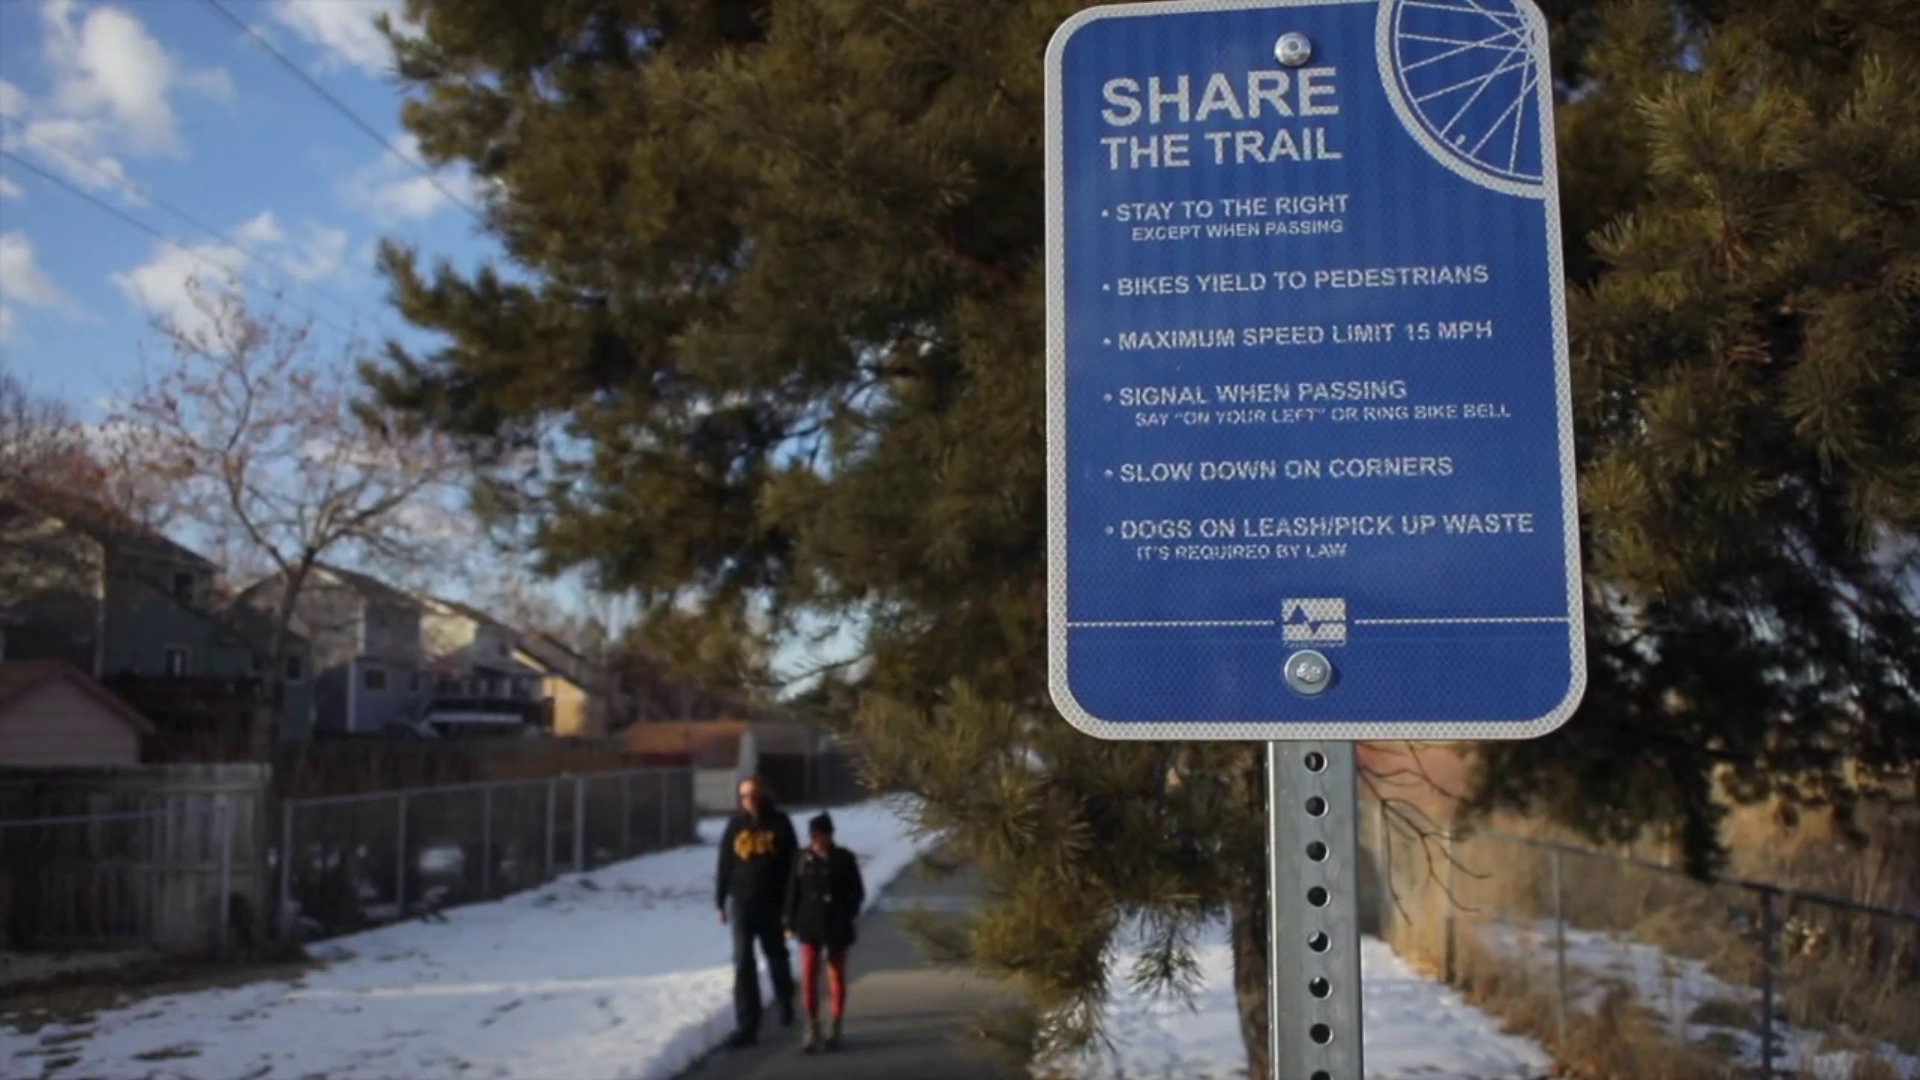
(1318, 621)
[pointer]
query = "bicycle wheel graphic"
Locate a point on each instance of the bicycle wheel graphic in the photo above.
(1465, 76)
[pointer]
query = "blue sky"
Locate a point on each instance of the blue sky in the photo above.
(149, 104)
(153, 106)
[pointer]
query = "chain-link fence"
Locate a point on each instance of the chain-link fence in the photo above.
(1630, 967)
(362, 860)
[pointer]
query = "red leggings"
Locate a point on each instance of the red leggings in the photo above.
(836, 978)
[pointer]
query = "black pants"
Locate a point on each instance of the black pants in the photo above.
(752, 923)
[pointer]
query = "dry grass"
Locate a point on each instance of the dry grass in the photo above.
(1618, 1040)
(1838, 972)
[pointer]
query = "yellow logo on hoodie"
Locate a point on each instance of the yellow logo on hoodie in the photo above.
(750, 842)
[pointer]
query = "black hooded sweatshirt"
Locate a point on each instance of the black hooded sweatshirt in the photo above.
(756, 859)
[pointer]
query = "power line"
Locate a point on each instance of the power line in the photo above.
(128, 219)
(343, 108)
(291, 277)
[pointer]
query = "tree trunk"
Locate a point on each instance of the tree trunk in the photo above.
(1248, 933)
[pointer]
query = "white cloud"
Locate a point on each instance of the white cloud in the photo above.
(260, 229)
(13, 100)
(214, 82)
(177, 285)
(344, 32)
(321, 255)
(10, 190)
(393, 191)
(68, 146)
(111, 89)
(24, 282)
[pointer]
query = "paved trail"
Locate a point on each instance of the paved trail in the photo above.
(905, 1016)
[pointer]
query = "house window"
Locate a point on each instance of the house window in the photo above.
(259, 663)
(413, 682)
(183, 586)
(295, 669)
(375, 680)
(178, 660)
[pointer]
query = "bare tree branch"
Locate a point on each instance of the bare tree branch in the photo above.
(276, 456)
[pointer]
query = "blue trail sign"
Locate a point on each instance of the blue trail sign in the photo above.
(1311, 450)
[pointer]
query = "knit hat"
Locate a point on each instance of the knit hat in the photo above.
(821, 823)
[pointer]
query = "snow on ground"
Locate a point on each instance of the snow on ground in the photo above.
(1676, 988)
(623, 973)
(1414, 1027)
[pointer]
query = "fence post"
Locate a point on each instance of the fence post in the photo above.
(1769, 946)
(1559, 950)
(486, 842)
(223, 905)
(400, 857)
(626, 815)
(579, 824)
(552, 789)
(287, 807)
(666, 805)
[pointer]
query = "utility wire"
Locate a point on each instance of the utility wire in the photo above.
(291, 277)
(129, 219)
(343, 108)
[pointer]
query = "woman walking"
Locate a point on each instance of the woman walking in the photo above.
(823, 903)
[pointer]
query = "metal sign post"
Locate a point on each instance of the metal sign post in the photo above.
(1310, 440)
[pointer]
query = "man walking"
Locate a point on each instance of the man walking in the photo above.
(756, 863)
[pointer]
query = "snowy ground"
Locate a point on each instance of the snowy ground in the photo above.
(1676, 989)
(619, 974)
(1414, 1028)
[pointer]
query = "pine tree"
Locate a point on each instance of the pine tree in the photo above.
(778, 270)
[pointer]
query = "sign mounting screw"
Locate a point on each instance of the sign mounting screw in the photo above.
(1309, 672)
(1293, 49)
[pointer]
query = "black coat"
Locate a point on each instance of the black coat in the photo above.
(824, 898)
(756, 861)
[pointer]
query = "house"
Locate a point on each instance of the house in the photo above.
(482, 685)
(131, 607)
(386, 660)
(52, 714)
(585, 698)
(368, 667)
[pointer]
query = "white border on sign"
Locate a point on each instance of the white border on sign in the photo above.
(1282, 730)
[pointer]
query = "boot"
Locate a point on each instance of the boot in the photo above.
(833, 1040)
(812, 1043)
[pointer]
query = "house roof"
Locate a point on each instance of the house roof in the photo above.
(367, 585)
(548, 652)
(103, 523)
(18, 678)
(467, 610)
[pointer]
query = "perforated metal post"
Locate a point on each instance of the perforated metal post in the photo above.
(1314, 950)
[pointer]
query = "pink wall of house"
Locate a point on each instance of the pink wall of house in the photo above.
(59, 724)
